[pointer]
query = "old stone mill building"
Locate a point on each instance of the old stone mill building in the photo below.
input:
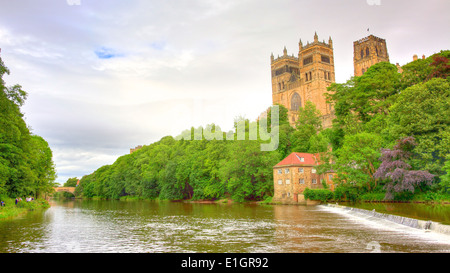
(305, 77)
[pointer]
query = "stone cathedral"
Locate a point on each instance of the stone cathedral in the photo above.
(296, 80)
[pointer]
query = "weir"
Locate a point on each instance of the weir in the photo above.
(411, 222)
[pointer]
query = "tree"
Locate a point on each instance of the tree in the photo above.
(397, 172)
(41, 161)
(284, 129)
(15, 143)
(367, 95)
(247, 172)
(423, 111)
(319, 143)
(309, 115)
(445, 178)
(283, 118)
(308, 124)
(422, 70)
(440, 67)
(71, 182)
(357, 160)
(26, 166)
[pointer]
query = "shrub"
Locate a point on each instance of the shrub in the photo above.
(267, 200)
(318, 194)
(432, 196)
(33, 205)
(372, 196)
(346, 193)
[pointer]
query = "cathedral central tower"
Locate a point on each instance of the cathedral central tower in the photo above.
(296, 80)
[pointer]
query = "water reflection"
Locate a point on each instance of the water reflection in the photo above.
(144, 226)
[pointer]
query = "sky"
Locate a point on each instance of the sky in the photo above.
(104, 76)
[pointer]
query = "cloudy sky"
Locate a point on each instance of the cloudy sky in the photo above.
(104, 76)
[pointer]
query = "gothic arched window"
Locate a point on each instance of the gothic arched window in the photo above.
(367, 51)
(362, 53)
(296, 102)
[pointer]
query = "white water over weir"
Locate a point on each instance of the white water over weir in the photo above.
(410, 222)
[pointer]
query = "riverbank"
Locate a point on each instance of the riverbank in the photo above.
(268, 201)
(11, 210)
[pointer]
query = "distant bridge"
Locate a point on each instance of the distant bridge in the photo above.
(66, 189)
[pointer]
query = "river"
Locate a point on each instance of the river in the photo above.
(92, 226)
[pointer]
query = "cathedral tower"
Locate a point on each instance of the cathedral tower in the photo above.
(367, 52)
(306, 78)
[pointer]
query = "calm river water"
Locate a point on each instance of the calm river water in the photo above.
(145, 226)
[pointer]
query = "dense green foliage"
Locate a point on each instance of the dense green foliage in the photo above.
(26, 166)
(71, 182)
(373, 112)
(380, 108)
(323, 195)
(204, 169)
(187, 169)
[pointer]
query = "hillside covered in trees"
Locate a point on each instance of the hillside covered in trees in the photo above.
(390, 140)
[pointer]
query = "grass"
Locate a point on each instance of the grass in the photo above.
(11, 210)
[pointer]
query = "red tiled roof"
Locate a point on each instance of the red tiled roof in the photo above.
(294, 159)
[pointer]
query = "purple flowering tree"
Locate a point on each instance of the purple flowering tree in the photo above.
(397, 173)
